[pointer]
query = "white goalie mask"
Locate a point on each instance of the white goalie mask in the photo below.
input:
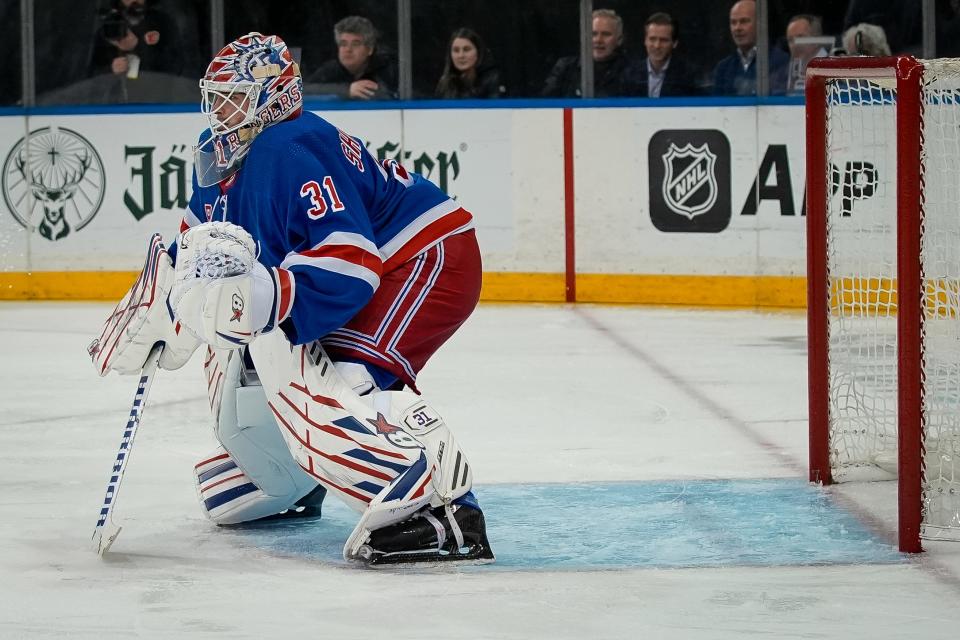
(251, 84)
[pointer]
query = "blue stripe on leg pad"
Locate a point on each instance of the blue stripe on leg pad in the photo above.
(224, 497)
(217, 470)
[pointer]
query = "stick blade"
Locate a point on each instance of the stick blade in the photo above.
(103, 537)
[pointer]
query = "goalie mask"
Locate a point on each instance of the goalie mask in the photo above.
(251, 84)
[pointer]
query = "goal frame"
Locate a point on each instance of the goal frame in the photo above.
(907, 73)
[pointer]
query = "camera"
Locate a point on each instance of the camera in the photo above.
(114, 25)
(116, 21)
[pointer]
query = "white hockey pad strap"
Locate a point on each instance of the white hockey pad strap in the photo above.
(141, 319)
(442, 464)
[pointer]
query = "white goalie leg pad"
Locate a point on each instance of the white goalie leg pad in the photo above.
(250, 437)
(225, 491)
(443, 465)
(337, 437)
(360, 448)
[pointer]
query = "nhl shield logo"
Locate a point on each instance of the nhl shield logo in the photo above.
(689, 182)
(689, 176)
(53, 182)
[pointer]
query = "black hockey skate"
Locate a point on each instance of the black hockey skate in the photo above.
(309, 506)
(430, 536)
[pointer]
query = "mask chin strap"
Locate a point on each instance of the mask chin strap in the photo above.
(249, 132)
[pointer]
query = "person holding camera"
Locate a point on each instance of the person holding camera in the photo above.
(141, 39)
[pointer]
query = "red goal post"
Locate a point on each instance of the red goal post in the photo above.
(883, 278)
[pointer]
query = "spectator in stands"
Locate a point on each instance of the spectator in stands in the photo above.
(865, 40)
(662, 72)
(736, 75)
(361, 71)
(610, 64)
(901, 21)
(469, 71)
(803, 25)
(141, 39)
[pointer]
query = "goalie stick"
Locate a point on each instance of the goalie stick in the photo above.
(107, 530)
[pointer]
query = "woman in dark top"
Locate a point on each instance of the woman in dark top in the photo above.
(469, 71)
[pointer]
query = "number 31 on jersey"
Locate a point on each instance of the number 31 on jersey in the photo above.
(319, 197)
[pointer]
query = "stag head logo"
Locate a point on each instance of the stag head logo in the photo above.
(53, 182)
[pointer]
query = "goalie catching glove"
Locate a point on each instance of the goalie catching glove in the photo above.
(222, 294)
(142, 319)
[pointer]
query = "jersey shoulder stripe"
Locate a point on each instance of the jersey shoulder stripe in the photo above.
(424, 232)
(345, 264)
(342, 252)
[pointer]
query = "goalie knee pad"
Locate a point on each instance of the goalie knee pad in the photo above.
(453, 476)
(254, 475)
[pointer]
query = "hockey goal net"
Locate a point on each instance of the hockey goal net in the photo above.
(883, 277)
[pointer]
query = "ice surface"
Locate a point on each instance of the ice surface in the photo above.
(619, 525)
(676, 439)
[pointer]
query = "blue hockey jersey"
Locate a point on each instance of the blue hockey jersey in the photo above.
(327, 217)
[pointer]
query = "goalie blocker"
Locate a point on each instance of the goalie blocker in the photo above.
(142, 319)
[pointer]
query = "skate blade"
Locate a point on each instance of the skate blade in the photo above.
(479, 556)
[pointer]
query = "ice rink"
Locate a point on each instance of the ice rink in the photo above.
(642, 473)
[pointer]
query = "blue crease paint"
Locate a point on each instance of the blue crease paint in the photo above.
(623, 525)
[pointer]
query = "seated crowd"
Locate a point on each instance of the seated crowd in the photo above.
(470, 70)
(137, 39)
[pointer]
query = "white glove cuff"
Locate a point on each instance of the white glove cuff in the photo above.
(263, 293)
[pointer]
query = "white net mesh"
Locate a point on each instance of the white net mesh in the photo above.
(862, 263)
(861, 255)
(940, 261)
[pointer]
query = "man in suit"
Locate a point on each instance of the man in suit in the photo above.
(610, 64)
(736, 75)
(662, 73)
